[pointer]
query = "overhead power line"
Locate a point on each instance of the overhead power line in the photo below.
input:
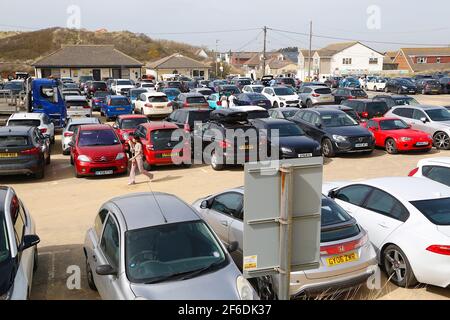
(203, 32)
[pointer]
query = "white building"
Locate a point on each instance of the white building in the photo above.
(340, 59)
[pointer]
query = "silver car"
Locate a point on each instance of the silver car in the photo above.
(311, 96)
(67, 133)
(347, 257)
(432, 119)
(18, 252)
(155, 246)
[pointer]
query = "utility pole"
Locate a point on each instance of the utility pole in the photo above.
(264, 51)
(310, 49)
(216, 55)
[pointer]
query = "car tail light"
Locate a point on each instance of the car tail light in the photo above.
(344, 247)
(440, 249)
(185, 105)
(148, 105)
(32, 151)
(316, 95)
(68, 134)
(43, 130)
(86, 107)
(350, 97)
(365, 114)
(169, 104)
(413, 172)
(224, 144)
(219, 103)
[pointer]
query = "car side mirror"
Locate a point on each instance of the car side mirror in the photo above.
(332, 194)
(106, 270)
(115, 126)
(233, 246)
(424, 120)
(319, 125)
(205, 204)
(29, 241)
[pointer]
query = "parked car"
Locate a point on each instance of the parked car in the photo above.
(98, 99)
(256, 88)
(15, 87)
(352, 113)
(428, 86)
(265, 80)
(432, 119)
(126, 125)
(23, 150)
(39, 120)
(311, 96)
(172, 85)
(70, 92)
(281, 97)
(159, 147)
(342, 94)
(367, 108)
(285, 81)
(187, 261)
(396, 100)
(190, 100)
(445, 84)
(171, 93)
(115, 106)
(400, 86)
(408, 224)
(376, 84)
(227, 90)
(95, 86)
(82, 81)
(350, 82)
(333, 82)
(96, 150)
(341, 236)
(77, 106)
(121, 86)
(146, 85)
(253, 99)
(283, 113)
(153, 104)
(214, 101)
(395, 135)
(241, 82)
(335, 130)
(187, 118)
(206, 92)
(253, 112)
(437, 169)
(69, 130)
(18, 247)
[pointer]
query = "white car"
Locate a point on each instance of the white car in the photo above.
(437, 169)
(408, 221)
(121, 86)
(281, 96)
(39, 120)
(146, 85)
(376, 84)
(68, 131)
(18, 252)
(153, 103)
(254, 88)
(78, 106)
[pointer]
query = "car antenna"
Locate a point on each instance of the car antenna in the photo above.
(157, 203)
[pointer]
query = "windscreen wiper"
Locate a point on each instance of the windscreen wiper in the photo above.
(198, 272)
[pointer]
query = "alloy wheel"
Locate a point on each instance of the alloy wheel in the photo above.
(442, 141)
(395, 265)
(390, 146)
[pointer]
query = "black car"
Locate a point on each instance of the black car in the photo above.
(428, 86)
(23, 150)
(367, 108)
(228, 90)
(227, 139)
(265, 81)
(336, 131)
(400, 86)
(284, 81)
(342, 94)
(241, 82)
(445, 84)
(190, 100)
(291, 143)
(253, 99)
(94, 86)
(283, 113)
(396, 100)
(172, 84)
(186, 118)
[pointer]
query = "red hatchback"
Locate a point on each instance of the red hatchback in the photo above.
(159, 149)
(396, 136)
(125, 125)
(96, 150)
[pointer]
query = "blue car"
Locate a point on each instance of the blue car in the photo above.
(349, 83)
(171, 93)
(115, 106)
(214, 101)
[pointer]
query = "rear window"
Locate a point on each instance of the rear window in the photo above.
(171, 92)
(13, 141)
(377, 107)
(202, 117)
(196, 100)
(119, 102)
(158, 99)
(333, 214)
(24, 122)
(406, 101)
(323, 91)
(162, 139)
(436, 210)
(128, 124)
(244, 82)
(99, 85)
(358, 93)
(124, 83)
(205, 92)
(100, 94)
(256, 97)
(76, 103)
(258, 114)
(288, 81)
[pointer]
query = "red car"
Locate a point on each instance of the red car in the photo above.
(396, 136)
(125, 125)
(159, 149)
(96, 150)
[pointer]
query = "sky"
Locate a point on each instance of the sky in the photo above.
(237, 24)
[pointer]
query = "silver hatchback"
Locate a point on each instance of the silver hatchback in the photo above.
(311, 96)
(154, 246)
(347, 257)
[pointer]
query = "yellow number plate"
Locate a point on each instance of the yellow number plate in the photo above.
(169, 155)
(246, 148)
(9, 155)
(342, 259)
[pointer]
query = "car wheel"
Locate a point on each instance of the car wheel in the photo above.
(48, 159)
(90, 277)
(40, 174)
(71, 161)
(391, 146)
(327, 148)
(66, 152)
(147, 166)
(441, 141)
(309, 104)
(397, 267)
(53, 140)
(264, 288)
(36, 259)
(275, 105)
(386, 90)
(215, 163)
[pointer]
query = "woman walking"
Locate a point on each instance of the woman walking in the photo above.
(137, 160)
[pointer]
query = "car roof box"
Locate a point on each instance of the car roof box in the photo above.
(226, 115)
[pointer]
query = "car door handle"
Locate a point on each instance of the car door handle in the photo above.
(94, 258)
(224, 223)
(383, 225)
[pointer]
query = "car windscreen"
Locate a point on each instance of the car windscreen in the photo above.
(99, 85)
(174, 84)
(377, 108)
(256, 97)
(200, 116)
(127, 124)
(136, 93)
(284, 91)
(435, 210)
(394, 124)
(432, 82)
(120, 102)
(286, 129)
(101, 94)
(258, 89)
(4, 243)
(13, 141)
(404, 82)
(25, 123)
(172, 92)
(338, 120)
(438, 114)
(406, 101)
(170, 252)
(91, 138)
(333, 214)
(124, 83)
(358, 93)
(195, 100)
(323, 91)
(160, 99)
(76, 103)
(205, 92)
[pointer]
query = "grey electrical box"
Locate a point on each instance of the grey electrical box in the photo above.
(262, 219)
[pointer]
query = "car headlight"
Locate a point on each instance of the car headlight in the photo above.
(286, 150)
(244, 289)
(404, 87)
(405, 139)
(120, 156)
(126, 136)
(84, 158)
(282, 99)
(339, 138)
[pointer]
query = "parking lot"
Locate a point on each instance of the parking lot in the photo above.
(64, 207)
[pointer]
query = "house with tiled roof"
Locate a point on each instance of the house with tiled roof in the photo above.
(343, 58)
(420, 60)
(178, 64)
(277, 63)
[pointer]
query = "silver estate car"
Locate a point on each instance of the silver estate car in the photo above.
(153, 246)
(347, 257)
(315, 95)
(18, 252)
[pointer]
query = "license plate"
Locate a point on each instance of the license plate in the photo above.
(9, 155)
(246, 148)
(361, 145)
(325, 98)
(104, 173)
(305, 155)
(421, 143)
(120, 109)
(169, 155)
(345, 258)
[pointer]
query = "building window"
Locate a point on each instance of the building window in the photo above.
(438, 60)
(347, 61)
(422, 60)
(373, 61)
